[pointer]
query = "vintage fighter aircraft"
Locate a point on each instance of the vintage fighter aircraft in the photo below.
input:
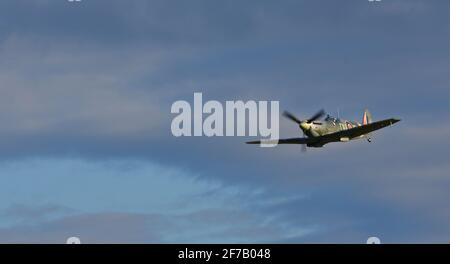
(317, 133)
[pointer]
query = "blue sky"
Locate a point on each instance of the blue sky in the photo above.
(85, 142)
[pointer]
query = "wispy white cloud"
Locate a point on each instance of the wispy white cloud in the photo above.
(128, 197)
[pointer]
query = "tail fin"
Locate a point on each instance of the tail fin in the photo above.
(367, 117)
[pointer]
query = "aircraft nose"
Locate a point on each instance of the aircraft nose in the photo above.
(305, 125)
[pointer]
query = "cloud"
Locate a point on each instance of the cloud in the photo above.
(135, 202)
(209, 226)
(95, 228)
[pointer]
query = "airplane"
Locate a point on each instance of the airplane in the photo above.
(317, 133)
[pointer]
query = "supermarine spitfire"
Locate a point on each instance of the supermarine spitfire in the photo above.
(317, 133)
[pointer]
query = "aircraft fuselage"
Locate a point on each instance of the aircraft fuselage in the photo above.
(328, 126)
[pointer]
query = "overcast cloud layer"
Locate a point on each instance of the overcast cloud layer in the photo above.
(85, 142)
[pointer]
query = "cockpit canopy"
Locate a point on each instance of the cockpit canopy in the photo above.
(331, 118)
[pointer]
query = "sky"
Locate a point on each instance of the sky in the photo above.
(86, 149)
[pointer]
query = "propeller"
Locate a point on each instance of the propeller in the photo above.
(293, 118)
(316, 116)
(303, 147)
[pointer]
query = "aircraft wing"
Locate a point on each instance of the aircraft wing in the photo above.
(303, 140)
(349, 133)
(358, 131)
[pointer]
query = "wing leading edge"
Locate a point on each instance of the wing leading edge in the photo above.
(284, 141)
